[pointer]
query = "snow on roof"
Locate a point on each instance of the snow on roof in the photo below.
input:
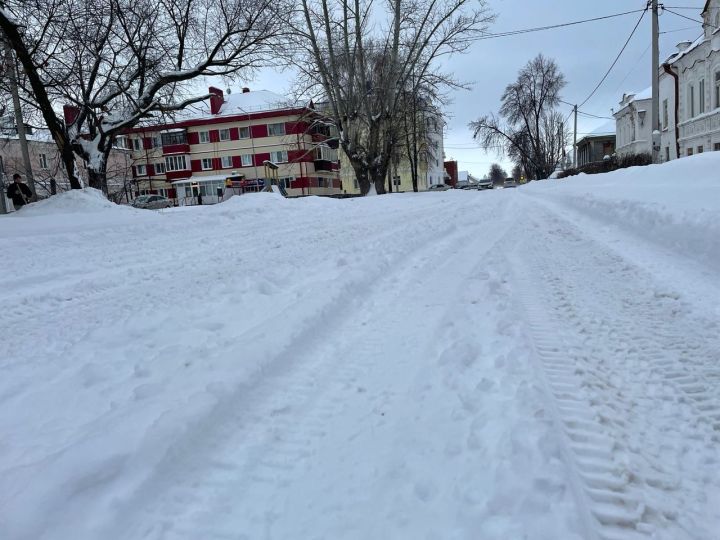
(37, 135)
(645, 94)
(608, 128)
(259, 100)
(679, 54)
(240, 103)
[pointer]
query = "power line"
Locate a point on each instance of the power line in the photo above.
(596, 116)
(690, 18)
(678, 30)
(597, 87)
(583, 112)
(485, 35)
(632, 69)
(550, 27)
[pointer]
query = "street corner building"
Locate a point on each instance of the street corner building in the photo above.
(228, 143)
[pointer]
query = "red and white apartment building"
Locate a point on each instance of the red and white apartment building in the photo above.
(229, 143)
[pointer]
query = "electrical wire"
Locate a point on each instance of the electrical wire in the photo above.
(583, 112)
(597, 87)
(689, 18)
(550, 27)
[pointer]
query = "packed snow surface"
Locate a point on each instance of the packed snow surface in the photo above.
(536, 363)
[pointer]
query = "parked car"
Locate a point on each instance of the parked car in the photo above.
(152, 202)
(439, 187)
(509, 183)
(485, 183)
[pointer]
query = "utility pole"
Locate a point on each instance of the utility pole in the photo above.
(575, 160)
(655, 116)
(22, 138)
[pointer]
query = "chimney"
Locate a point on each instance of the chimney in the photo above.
(683, 46)
(70, 112)
(216, 99)
(245, 89)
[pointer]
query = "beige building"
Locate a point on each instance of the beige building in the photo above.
(431, 160)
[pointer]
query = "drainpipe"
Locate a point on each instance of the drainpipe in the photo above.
(674, 75)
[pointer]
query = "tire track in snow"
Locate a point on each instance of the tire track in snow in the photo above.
(260, 410)
(627, 367)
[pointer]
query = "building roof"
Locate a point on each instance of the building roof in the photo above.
(241, 103)
(679, 54)
(37, 135)
(603, 131)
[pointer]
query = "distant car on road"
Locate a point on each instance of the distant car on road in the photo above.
(485, 183)
(439, 187)
(509, 183)
(152, 202)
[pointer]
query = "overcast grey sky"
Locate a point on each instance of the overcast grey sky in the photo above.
(583, 52)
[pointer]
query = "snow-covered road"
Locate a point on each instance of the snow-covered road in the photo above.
(516, 364)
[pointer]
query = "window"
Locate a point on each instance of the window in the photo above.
(700, 150)
(716, 147)
(326, 153)
(244, 132)
(175, 163)
(226, 162)
(43, 161)
(276, 129)
(286, 182)
(140, 170)
(174, 137)
(204, 137)
(701, 90)
(137, 143)
(717, 89)
(691, 101)
(666, 120)
(689, 151)
(225, 134)
(155, 142)
(321, 182)
(355, 183)
(206, 164)
(246, 160)
(159, 168)
(280, 156)
(667, 153)
(121, 142)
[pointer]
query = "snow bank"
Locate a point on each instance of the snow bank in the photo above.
(75, 201)
(675, 205)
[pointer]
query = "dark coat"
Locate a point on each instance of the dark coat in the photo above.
(19, 194)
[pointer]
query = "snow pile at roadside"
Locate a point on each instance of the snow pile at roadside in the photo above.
(75, 201)
(676, 204)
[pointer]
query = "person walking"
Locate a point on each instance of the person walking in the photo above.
(18, 192)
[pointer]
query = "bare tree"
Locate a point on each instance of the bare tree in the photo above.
(516, 173)
(420, 118)
(528, 127)
(497, 174)
(116, 63)
(362, 57)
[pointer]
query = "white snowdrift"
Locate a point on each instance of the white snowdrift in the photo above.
(75, 201)
(361, 368)
(675, 205)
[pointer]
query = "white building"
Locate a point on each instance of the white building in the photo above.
(689, 99)
(698, 67)
(632, 124)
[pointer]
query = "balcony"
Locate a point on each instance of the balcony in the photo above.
(175, 141)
